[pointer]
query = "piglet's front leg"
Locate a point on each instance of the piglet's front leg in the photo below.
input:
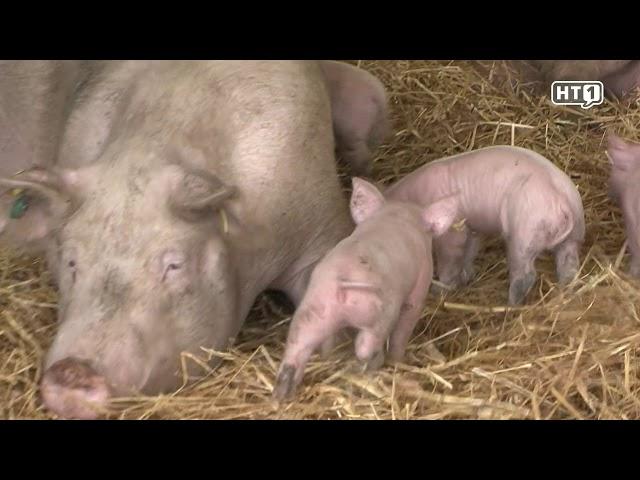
(451, 252)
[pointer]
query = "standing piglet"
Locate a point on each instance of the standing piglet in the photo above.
(624, 188)
(375, 281)
(504, 190)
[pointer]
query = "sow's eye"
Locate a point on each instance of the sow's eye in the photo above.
(69, 262)
(172, 262)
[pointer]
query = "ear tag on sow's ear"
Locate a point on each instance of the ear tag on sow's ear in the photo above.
(224, 221)
(459, 227)
(20, 204)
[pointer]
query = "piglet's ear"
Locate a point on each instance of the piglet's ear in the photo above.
(199, 194)
(622, 155)
(366, 199)
(441, 215)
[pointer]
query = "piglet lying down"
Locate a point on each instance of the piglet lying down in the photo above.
(502, 190)
(375, 281)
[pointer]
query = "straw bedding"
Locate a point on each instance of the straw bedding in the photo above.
(569, 354)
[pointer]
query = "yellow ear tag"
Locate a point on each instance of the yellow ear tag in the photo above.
(458, 227)
(224, 220)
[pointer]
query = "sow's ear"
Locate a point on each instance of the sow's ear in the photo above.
(440, 215)
(622, 155)
(32, 205)
(198, 194)
(366, 199)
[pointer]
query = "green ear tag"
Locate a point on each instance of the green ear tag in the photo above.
(19, 207)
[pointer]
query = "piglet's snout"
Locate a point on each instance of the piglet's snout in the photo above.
(72, 389)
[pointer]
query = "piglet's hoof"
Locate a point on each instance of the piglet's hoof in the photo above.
(520, 288)
(467, 276)
(285, 384)
(373, 364)
(440, 288)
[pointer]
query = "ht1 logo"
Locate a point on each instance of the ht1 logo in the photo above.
(585, 94)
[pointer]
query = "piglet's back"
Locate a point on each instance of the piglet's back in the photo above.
(390, 247)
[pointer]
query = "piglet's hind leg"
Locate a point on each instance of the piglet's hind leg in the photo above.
(307, 332)
(567, 256)
(409, 316)
(370, 342)
(522, 273)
